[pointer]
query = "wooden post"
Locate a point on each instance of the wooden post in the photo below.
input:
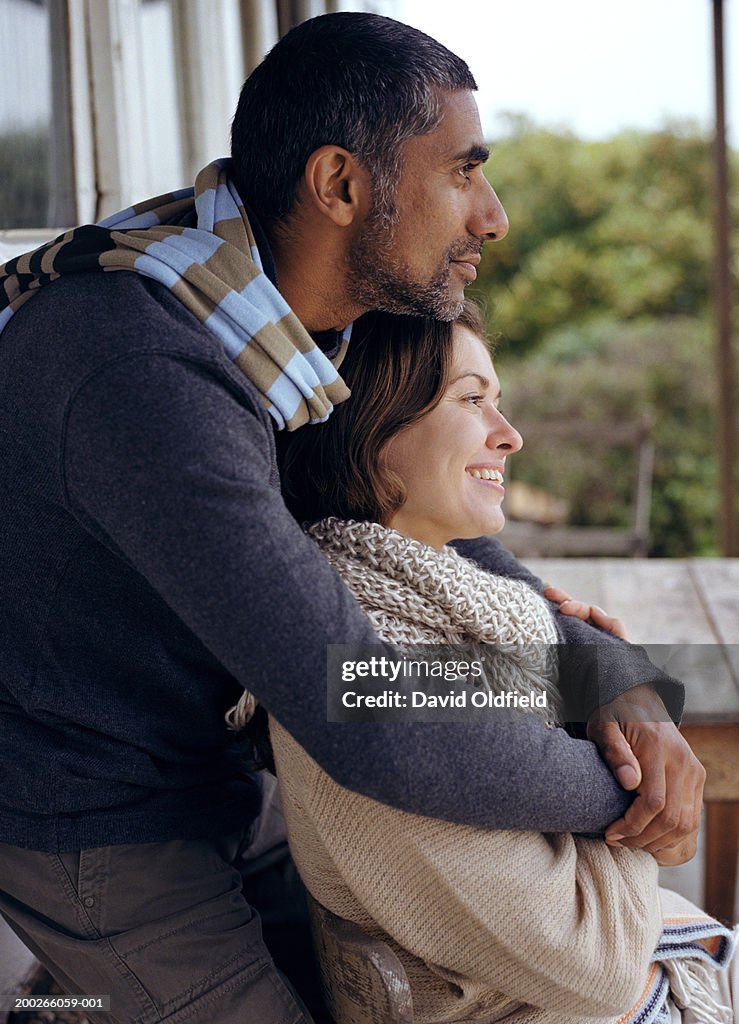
(725, 363)
(715, 745)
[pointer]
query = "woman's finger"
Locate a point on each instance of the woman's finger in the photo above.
(578, 609)
(607, 622)
(587, 612)
(556, 594)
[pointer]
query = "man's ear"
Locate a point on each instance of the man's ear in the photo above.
(337, 185)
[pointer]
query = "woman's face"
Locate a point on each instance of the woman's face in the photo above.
(452, 461)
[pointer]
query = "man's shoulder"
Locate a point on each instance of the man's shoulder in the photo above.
(76, 326)
(112, 313)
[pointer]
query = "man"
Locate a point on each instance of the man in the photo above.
(150, 570)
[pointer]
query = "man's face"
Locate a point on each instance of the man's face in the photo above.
(443, 210)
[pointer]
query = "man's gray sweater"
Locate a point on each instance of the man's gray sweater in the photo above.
(149, 570)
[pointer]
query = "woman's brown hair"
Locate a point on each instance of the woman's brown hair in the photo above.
(397, 368)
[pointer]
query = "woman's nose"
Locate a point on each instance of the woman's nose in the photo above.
(505, 437)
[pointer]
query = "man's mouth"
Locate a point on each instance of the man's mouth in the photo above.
(467, 268)
(469, 263)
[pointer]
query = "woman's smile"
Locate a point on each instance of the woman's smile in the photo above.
(456, 487)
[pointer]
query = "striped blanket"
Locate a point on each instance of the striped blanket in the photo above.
(691, 948)
(215, 270)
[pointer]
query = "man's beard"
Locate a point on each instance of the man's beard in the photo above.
(378, 281)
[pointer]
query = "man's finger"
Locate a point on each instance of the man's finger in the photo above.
(648, 806)
(617, 753)
(679, 854)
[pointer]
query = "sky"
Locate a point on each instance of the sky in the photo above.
(594, 66)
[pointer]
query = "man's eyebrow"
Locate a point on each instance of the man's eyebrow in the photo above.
(476, 153)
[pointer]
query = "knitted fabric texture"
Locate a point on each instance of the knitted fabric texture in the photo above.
(216, 271)
(489, 925)
(524, 927)
(414, 595)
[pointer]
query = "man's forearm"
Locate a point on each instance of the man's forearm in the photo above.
(600, 667)
(190, 504)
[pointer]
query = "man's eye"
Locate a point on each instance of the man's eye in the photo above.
(467, 170)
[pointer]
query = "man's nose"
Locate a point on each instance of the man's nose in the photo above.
(490, 220)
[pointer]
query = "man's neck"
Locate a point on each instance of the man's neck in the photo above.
(312, 279)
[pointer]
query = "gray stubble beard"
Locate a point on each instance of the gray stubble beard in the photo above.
(376, 280)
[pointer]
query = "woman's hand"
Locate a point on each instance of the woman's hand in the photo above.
(588, 612)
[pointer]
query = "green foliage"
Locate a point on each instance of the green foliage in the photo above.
(621, 226)
(24, 179)
(594, 379)
(601, 298)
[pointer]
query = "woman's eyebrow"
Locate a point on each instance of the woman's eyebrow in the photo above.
(484, 381)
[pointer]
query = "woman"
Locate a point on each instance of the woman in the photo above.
(519, 926)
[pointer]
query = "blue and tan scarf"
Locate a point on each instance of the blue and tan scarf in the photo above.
(215, 270)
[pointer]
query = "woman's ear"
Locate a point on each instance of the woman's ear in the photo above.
(336, 185)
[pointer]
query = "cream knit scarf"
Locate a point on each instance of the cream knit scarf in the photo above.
(414, 594)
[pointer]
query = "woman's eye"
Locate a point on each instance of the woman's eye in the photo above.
(474, 399)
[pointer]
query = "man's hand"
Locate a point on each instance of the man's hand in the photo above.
(679, 854)
(581, 610)
(646, 753)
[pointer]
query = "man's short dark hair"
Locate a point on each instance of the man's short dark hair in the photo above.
(359, 81)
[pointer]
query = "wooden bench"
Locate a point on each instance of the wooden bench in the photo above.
(363, 980)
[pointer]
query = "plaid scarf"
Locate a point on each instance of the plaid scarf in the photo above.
(215, 270)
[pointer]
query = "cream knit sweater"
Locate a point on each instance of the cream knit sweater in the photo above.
(490, 925)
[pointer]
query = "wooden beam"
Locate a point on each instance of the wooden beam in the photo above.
(716, 745)
(725, 361)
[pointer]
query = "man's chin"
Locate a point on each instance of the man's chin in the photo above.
(438, 299)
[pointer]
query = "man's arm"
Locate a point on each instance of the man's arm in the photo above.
(615, 666)
(166, 463)
(628, 704)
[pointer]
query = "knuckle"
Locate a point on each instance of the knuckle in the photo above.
(654, 802)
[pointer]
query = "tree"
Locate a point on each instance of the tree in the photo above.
(621, 227)
(600, 298)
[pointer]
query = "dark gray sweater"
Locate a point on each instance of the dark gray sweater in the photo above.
(149, 570)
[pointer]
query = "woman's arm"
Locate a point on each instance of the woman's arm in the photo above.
(551, 920)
